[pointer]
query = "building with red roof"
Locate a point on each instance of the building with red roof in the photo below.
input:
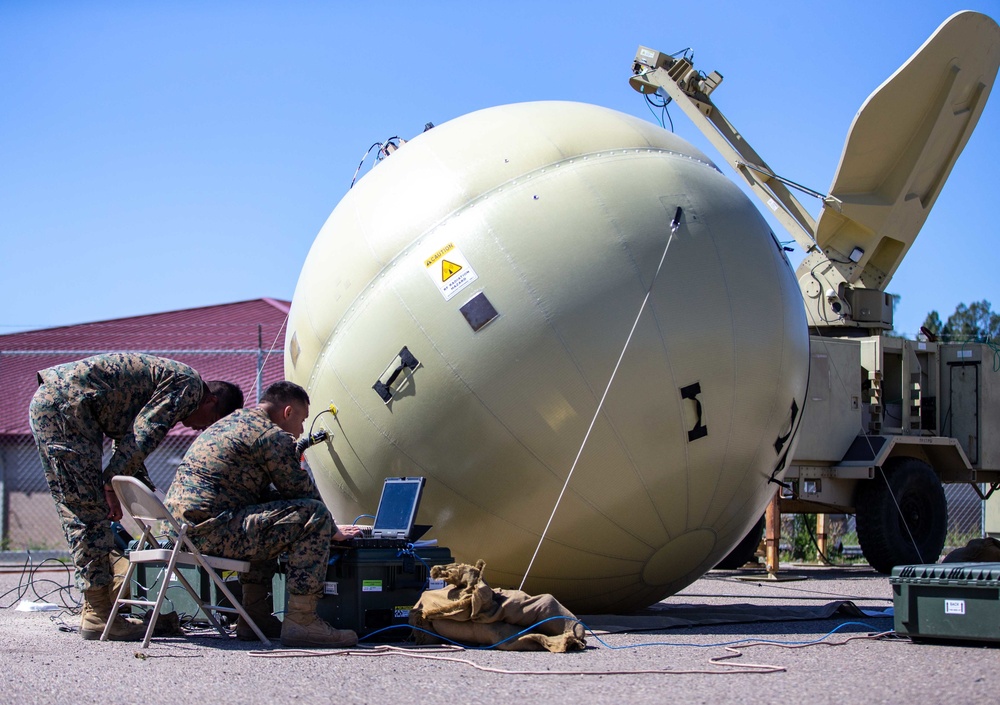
(238, 342)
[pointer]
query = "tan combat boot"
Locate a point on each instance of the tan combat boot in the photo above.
(96, 610)
(303, 627)
(259, 605)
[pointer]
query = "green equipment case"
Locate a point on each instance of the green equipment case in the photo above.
(373, 589)
(947, 601)
(148, 580)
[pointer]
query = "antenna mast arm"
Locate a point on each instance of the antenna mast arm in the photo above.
(676, 78)
(899, 152)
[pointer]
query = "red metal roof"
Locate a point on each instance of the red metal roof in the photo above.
(226, 341)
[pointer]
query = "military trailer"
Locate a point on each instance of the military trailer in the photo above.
(886, 420)
(924, 410)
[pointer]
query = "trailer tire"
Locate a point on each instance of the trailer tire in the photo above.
(884, 538)
(744, 551)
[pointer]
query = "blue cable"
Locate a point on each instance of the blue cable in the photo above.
(630, 646)
(409, 550)
(738, 641)
(458, 643)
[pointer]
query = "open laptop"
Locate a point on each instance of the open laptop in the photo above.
(397, 511)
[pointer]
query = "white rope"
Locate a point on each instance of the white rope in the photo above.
(899, 510)
(429, 655)
(673, 229)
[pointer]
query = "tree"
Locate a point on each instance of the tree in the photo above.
(975, 322)
(932, 324)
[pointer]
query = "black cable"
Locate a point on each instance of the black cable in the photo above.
(311, 439)
(650, 105)
(662, 104)
(665, 101)
(379, 156)
(812, 273)
(315, 418)
(361, 163)
(822, 556)
(384, 146)
(29, 583)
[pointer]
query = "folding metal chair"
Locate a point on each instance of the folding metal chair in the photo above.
(146, 509)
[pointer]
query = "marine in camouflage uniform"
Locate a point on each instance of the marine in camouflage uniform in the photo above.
(223, 489)
(131, 398)
(244, 493)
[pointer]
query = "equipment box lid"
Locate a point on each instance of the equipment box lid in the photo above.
(947, 574)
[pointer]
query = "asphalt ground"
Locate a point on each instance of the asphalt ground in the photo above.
(43, 664)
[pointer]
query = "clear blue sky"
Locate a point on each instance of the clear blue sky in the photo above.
(164, 155)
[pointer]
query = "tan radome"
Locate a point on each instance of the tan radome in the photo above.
(556, 216)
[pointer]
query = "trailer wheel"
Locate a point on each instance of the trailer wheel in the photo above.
(885, 539)
(744, 551)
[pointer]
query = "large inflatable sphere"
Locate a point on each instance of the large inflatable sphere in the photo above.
(547, 290)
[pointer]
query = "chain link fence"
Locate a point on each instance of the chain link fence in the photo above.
(31, 522)
(28, 519)
(801, 539)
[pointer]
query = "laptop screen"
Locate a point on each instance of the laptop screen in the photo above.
(397, 509)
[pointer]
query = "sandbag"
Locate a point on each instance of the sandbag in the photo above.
(985, 550)
(469, 611)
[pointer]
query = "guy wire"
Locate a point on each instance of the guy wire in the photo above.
(674, 225)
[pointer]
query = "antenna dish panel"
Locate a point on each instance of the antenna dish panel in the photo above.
(903, 144)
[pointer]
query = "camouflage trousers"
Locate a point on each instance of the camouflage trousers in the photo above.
(70, 445)
(302, 528)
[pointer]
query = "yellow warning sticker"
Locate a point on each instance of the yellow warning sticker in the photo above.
(449, 269)
(439, 254)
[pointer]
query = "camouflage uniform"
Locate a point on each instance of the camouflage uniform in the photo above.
(223, 490)
(131, 398)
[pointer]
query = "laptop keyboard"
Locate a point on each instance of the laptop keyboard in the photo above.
(366, 540)
(373, 542)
